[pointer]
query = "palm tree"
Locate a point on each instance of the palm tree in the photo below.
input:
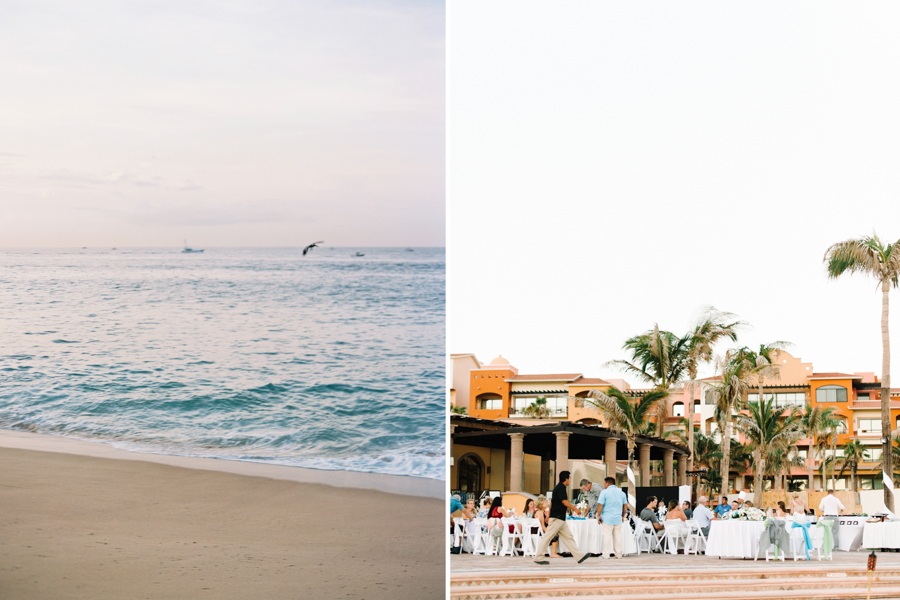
(766, 430)
(660, 358)
(627, 415)
(458, 410)
(854, 453)
(867, 255)
(815, 422)
(537, 409)
(712, 327)
(729, 395)
(713, 481)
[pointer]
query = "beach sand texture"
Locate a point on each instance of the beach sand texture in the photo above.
(75, 526)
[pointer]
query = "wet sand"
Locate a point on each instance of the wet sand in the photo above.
(96, 527)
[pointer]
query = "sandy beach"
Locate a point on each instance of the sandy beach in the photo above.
(83, 520)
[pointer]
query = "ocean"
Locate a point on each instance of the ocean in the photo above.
(324, 361)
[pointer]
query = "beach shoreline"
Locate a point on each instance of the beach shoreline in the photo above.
(81, 527)
(393, 484)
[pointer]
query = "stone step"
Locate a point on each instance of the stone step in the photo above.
(829, 594)
(535, 576)
(776, 587)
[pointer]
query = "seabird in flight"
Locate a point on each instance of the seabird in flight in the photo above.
(313, 245)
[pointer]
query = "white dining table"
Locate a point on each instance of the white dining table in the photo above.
(881, 535)
(589, 537)
(733, 538)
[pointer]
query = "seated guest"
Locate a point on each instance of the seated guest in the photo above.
(781, 510)
(496, 513)
(469, 509)
(529, 509)
(722, 508)
(675, 512)
(735, 505)
(485, 509)
(748, 504)
(543, 506)
(649, 513)
(686, 509)
(703, 515)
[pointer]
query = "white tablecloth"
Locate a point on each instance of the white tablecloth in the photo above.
(733, 538)
(589, 537)
(881, 535)
(850, 533)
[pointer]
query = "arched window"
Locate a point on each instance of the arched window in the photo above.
(489, 402)
(678, 409)
(831, 393)
(469, 470)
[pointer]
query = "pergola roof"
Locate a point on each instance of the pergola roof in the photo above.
(586, 442)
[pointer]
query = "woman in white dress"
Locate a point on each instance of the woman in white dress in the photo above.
(798, 506)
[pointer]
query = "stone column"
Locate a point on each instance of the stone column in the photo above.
(644, 451)
(562, 454)
(516, 461)
(609, 457)
(682, 470)
(668, 455)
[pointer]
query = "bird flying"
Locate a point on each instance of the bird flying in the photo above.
(311, 246)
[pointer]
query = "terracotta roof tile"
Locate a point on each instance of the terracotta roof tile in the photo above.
(834, 375)
(589, 381)
(546, 377)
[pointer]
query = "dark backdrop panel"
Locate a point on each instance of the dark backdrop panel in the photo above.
(663, 493)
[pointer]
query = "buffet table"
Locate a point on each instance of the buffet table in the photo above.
(589, 537)
(732, 538)
(881, 535)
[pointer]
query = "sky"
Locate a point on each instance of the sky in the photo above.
(612, 166)
(236, 123)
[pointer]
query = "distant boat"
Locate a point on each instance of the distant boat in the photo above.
(410, 250)
(358, 254)
(188, 250)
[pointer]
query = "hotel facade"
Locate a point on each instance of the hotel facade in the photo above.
(498, 392)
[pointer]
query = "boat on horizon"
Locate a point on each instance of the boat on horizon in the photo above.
(358, 254)
(189, 250)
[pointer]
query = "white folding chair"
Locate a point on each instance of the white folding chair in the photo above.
(459, 529)
(476, 538)
(798, 542)
(695, 539)
(645, 537)
(508, 539)
(675, 532)
(530, 541)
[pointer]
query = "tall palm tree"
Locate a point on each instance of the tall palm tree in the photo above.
(815, 422)
(659, 358)
(729, 394)
(854, 453)
(713, 327)
(766, 430)
(629, 416)
(765, 366)
(869, 256)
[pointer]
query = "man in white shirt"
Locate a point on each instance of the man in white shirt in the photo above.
(831, 507)
(703, 515)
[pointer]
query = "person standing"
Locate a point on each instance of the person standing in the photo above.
(591, 493)
(557, 524)
(832, 507)
(611, 508)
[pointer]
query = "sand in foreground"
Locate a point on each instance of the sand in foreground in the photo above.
(96, 528)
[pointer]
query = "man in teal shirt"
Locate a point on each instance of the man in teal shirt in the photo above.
(611, 508)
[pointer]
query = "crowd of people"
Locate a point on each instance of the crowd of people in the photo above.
(608, 504)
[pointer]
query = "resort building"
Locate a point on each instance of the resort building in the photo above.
(498, 397)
